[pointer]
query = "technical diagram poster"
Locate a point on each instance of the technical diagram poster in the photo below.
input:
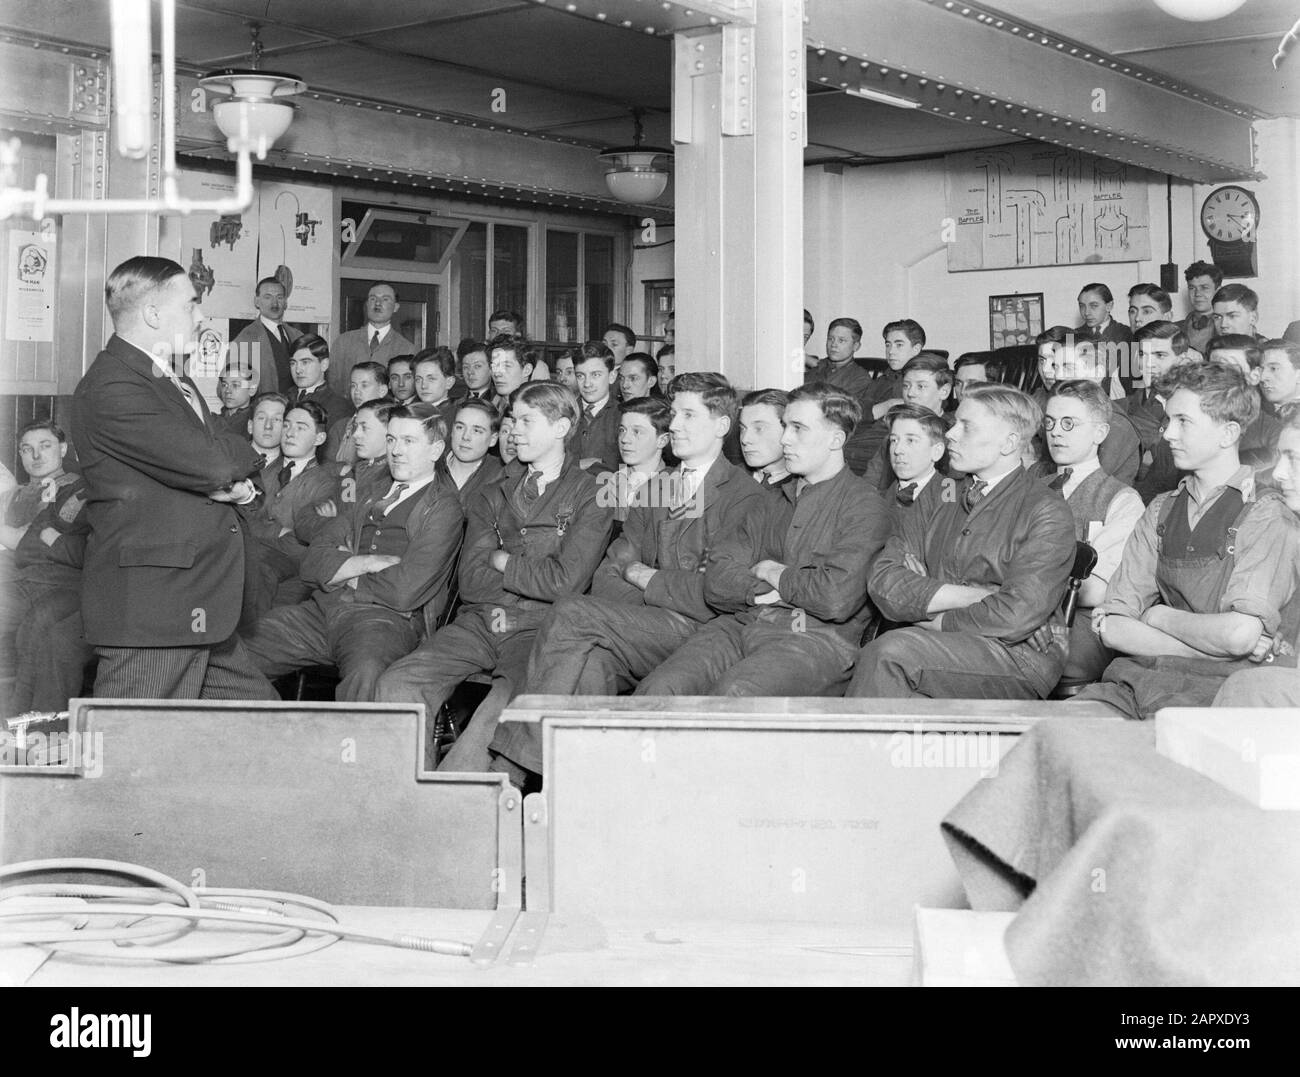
(30, 279)
(218, 252)
(1036, 205)
(296, 247)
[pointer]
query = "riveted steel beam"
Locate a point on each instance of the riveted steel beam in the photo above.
(973, 64)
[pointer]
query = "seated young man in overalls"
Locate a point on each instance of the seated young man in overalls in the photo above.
(1276, 683)
(1208, 575)
(532, 538)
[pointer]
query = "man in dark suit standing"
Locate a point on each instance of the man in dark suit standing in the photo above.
(164, 564)
(265, 344)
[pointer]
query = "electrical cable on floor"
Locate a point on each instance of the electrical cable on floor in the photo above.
(168, 910)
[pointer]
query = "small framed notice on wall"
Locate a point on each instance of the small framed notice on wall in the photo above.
(1015, 319)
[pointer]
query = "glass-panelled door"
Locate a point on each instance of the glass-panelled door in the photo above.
(419, 309)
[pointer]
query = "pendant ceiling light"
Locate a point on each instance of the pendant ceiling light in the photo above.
(636, 173)
(256, 114)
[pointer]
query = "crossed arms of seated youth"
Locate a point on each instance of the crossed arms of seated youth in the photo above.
(403, 583)
(1005, 581)
(1136, 620)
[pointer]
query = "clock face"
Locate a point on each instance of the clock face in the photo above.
(1230, 214)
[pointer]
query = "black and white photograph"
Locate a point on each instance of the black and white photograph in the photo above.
(385, 602)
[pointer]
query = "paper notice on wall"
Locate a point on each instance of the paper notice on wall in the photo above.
(297, 243)
(1037, 205)
(30, 280)
(218, 251)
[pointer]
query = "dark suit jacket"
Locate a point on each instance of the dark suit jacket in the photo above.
(164, 565)
(270, 361)
(553, 552)
(1019, 539)
(680, 548)
(827, 538)
(235, 423)
(336, 407)
(293, 506)
(422, 577)
(599, 438)
(488, 472)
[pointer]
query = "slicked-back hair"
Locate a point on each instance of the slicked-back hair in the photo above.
(313, 343)
(654, 408)
(375, 370)
(1056, 334)
(1100, 289)
(442, 355)
(385, 284)
(44, 424)
(381, 407)
(932, 424)
(317, 413)
(1153, 291)
(552, 399)
(773, 398)
(469, 346)
(1092, 396)
(1288, 347)
(646, 360)
(1163, 330)
(711, 387)
(930, 363)
(851, 324)
(235, 368)
(507, 342)
(1237, 342)
(435, 429)
(1018, 410)
(476, 404)
(135, 281)
(1237, 293)
(616, 327)
(1203, 269)
(837, 407)
(396, 360)
(273, 397)
(666, 350)
(264, 282)
(508, 316)
(908, 327)
(594, 349)
(1221, 388)
(993, 368)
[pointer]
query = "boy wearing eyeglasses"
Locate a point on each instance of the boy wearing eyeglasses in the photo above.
(1105, 510)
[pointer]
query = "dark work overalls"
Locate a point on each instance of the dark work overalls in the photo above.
(1193, 567)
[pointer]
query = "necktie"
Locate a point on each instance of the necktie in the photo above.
(686, 480)
(303, 394)
(974, 494)
(907, 494)
(588, 412)
(764, 478)
(284, 339)
(374, 341)
(385, 503)
(283, 476)
(1059, 482)
(531, 489)
(189, 396)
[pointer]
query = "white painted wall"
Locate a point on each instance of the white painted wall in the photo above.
(872, 250)
(648, 263)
